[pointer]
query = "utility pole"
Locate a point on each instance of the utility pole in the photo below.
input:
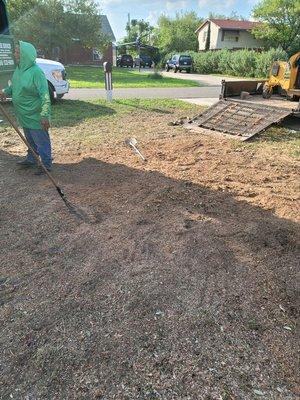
(139, 46)
(139, 50)
(129, 22)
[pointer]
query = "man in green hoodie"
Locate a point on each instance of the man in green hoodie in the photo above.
(31, 100)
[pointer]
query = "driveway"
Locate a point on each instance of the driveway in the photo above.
(203, 80)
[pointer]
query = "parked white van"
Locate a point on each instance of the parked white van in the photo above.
(56, 76)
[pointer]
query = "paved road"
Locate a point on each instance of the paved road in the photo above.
(210, 89)
(150, 93)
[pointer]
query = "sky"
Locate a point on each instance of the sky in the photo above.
(149, 10)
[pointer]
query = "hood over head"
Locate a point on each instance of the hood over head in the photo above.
(28, 55)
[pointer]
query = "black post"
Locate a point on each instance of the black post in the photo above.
(139, 57)
(107, 66)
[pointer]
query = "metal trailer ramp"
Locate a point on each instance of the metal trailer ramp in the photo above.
(238, 119)
(235, 88)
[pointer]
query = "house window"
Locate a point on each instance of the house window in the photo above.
(230, 35)
(97, 56)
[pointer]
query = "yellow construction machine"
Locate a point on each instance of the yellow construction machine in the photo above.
(284, 79)
(242, 114)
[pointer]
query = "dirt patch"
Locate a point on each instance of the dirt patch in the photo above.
(184, 287)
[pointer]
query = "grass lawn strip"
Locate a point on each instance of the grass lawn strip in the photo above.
(93, 77)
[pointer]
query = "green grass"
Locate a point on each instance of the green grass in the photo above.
(93, 77)
(96, 121)
(73, 112)
(276, 138)
(93, 122)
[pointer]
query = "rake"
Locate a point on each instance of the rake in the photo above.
(132, 142)
(78, 213)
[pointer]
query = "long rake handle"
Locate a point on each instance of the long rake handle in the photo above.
(137, 151)
(16, 128)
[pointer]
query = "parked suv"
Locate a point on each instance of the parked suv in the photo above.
(144, 61)
(56, 76)
(125, 60)
(180, 62)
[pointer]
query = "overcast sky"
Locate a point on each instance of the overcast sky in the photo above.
(117, 10)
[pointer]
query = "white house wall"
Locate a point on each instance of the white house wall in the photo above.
(202, 35)
(246, 40)
(214, 35)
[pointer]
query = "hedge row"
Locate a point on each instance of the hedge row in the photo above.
(248, 63)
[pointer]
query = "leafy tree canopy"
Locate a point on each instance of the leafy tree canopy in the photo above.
(281, 23)
(56, 23)
(177, 34)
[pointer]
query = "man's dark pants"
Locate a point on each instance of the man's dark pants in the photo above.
(39, 140)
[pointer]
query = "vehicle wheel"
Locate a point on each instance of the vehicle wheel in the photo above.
(59, 96)
(188, 71)
(51, 93)
(291, 97)
(167, 68)
(175, 70)
(267, 92)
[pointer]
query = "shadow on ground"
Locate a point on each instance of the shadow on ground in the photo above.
(176, 291)
(72, 112)
(292, 123)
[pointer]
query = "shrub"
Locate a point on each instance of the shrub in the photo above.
(265, 60)
(155, 75)
(225, 62)
(248, 63)
(243, 63)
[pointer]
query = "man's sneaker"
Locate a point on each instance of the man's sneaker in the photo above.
(25, 164)
(41, 171)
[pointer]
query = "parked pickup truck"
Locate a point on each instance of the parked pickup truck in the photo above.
(56, 76)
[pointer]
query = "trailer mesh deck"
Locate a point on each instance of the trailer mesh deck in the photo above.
(238, 119)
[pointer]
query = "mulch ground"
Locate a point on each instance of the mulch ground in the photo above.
(182, 285)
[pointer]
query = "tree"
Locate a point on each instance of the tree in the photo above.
(233, 16)
(177, 34)
(18, 8)
(138, 28)
(280, 23)
(57, 23)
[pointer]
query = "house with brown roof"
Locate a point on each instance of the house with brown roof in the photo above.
(217, 34)
(80, 55)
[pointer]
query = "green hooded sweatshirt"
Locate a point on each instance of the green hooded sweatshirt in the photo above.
(29, 90)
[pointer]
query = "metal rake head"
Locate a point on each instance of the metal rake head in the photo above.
(131, 141)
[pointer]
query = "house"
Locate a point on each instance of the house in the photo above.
(77, 54)
(217, 34)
